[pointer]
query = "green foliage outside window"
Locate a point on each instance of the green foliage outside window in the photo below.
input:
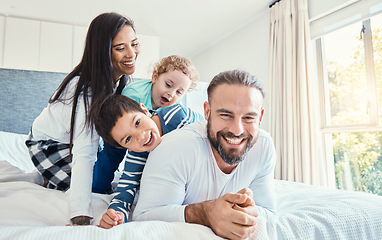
(359, 153)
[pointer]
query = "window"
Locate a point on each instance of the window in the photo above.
(350, 59)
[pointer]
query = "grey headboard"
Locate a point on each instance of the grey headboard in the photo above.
(23, 95)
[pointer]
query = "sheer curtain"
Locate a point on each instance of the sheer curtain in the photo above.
(294, 112)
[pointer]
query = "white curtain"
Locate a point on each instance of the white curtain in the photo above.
(294, 119)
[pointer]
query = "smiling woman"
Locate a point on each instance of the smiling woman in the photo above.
(124, 51)
(62, 136)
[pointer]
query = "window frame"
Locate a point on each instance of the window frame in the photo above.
(373, 124)
(327, 129)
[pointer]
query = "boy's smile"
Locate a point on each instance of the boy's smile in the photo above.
(150, 140)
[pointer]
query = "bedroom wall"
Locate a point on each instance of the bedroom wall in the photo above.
(35, 56)
(247, 48)
(56, 47)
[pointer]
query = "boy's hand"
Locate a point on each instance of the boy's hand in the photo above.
(111, 218)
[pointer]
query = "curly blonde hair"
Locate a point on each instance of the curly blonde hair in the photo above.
(176, 62)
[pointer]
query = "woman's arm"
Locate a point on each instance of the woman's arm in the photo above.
(84, 154)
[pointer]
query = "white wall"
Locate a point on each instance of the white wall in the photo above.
(21, 43)
(340, 15)
(55, 47)
(150, 50)
(322, 7)
(2, 29)
(246, 49)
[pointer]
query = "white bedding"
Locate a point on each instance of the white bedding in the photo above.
(29, 211)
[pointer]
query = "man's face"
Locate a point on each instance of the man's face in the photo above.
(234, 115)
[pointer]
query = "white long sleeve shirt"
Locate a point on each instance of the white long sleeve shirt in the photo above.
(182, 170)
(54, 123)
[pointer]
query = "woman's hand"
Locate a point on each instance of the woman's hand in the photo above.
(81, 220)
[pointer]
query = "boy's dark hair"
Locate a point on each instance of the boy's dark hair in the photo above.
(112, 109)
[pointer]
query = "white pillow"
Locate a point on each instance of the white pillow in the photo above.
(14, 150)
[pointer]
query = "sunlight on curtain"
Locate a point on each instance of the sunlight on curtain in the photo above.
(294, 112)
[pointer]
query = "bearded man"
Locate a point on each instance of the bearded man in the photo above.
(218, 173)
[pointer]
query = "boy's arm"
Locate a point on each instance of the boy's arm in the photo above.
(129, 182)
(177, 116)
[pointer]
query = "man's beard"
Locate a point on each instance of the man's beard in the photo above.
(229, 155)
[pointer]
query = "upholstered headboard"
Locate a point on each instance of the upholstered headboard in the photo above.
(23, 95)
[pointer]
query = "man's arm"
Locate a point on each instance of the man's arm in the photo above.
(262, 186)
(232, 216)
(164, 182)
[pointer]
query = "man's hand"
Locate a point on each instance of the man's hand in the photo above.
(111, 218)
(248, 206)
(232, 216)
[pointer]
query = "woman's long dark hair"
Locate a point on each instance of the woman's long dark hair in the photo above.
(95, 71)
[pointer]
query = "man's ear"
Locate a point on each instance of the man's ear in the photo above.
(261, 116)
(154, 77)
(145, 109)
(207, 110)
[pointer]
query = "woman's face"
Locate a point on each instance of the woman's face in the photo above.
(124, 52)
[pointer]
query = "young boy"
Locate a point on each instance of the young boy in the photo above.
(172, 77)
(124, 123)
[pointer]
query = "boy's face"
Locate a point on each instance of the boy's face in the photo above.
(168, 88)
(136, 131)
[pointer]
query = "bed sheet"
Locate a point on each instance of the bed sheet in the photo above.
(14, 150)
(312, 212)
(29, 211)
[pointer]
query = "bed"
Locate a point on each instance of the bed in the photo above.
(29, 211)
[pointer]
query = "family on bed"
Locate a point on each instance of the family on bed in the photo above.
(215, 170)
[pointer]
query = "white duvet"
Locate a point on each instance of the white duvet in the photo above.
(29, 211)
